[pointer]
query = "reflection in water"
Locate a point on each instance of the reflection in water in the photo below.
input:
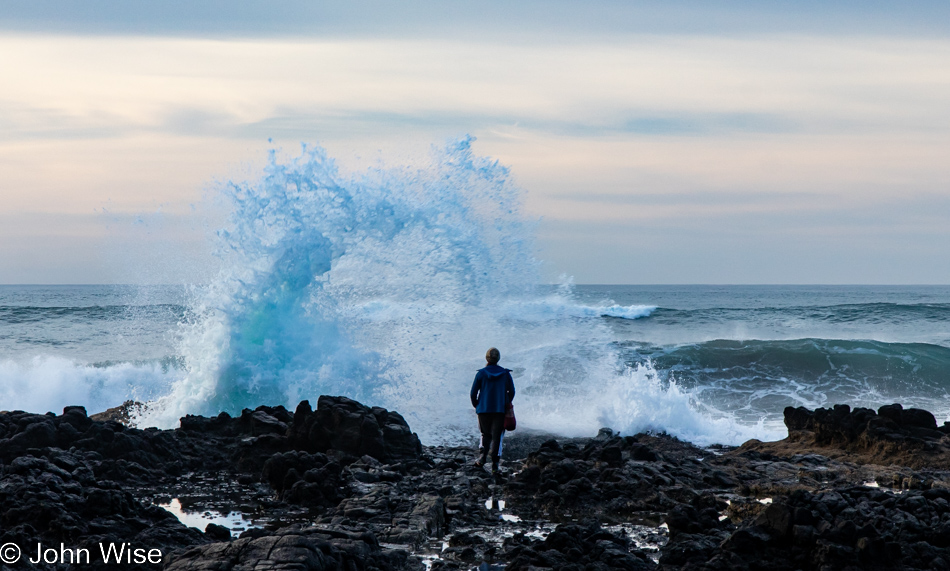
(235, 521)
(495, 505)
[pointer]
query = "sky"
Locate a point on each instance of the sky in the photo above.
(656, 142)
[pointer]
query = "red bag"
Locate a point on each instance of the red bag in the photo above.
(510, 421)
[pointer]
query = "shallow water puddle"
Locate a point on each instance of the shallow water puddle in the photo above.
(494, 505)
(235, 521)
(875, 484)
(646, 538)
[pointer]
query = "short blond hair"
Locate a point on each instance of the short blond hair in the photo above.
(492, 356)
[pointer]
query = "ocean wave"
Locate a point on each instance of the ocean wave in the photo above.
(755, 379)
(388, 286)
(840, 314)
(624, 311)
(17, 314)
(562, 307)
(642, 400)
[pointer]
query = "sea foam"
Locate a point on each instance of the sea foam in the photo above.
(48, 383)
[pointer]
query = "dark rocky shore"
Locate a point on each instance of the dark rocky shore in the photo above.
(348, 487)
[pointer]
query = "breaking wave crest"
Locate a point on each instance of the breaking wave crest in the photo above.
(387, 286)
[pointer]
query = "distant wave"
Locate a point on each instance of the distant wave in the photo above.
(624, 311)
(15, 314)
(828, 314)
(559, 307)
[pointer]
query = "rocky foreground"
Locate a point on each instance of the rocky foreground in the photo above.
(348, 487)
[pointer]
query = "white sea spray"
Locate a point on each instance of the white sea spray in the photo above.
(387, 286)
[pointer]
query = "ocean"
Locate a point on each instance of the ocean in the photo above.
(707, 363)
(388, 284)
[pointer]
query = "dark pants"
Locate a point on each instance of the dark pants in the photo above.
(492, 425)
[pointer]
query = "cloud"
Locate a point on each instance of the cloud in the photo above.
(652, 136)
(653, 86)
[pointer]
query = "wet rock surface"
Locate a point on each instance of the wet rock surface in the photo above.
(346, 486)
(616, 479)
(294, 547)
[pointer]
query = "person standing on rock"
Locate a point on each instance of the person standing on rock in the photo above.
(492, 392)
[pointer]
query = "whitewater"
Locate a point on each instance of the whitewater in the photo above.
(388, 284)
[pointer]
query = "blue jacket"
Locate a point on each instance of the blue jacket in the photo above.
(493, 389)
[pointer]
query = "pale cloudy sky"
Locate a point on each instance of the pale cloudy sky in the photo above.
(659, 142)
